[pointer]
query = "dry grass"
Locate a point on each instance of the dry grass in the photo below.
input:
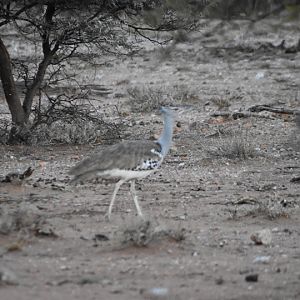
(164, 53)
(4, 130)
(75, 132)
(24, 218)
(145, 99)
(148, 99)
(180, 36)
(182, 94)
(221, 103)
(224, 101)
(142, 233)
(63, 119)
(139, 234)
(78, 130)
(271, 208)
(237, 146)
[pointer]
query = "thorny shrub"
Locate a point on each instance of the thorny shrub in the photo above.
(65, 119)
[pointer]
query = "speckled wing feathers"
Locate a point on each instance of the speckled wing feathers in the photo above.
(133, 155)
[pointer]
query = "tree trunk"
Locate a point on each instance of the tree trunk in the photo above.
(20, 133)
(33, 89)
(9, 87)
(48, 54)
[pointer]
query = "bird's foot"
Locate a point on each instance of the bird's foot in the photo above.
(107, 217)
(141, 216)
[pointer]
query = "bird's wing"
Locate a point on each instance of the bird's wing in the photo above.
(125, 156)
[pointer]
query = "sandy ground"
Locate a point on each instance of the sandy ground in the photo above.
(203, 205)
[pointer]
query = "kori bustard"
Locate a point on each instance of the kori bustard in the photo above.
(127, 161)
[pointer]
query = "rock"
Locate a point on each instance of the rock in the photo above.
(88, 280)
(117, 290)
(251, 278)
(24, 217)
(219, 280)
(3, 250)
(259, 75)
(7, 277)
(262, 237)
(157, 293)
(7, 223)
(36, 184)
(262, 259)
(100, 237)
(45, 229)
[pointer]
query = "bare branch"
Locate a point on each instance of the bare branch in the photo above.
(8, 18)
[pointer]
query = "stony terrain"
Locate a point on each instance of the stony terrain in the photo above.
(223, 211)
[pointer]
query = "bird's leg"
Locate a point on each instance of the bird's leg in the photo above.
(117, 187)
(134, 196)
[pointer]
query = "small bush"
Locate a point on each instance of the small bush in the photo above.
(142, 233)
(24, 217)
(74, 132)
(164, 53)
(237, 146)
(65, 120)
(146, 99)
(182, 94)
(221, 103)
(271, 208)
(4, 131)
(180, 36)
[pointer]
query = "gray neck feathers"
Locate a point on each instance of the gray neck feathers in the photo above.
(165, 140)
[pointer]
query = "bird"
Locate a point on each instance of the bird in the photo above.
(128, 161)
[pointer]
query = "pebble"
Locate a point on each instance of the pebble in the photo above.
(46, 230)
(251, 278)
(259, 75)
(100, 237)
(182, 217)
(262, 237)
(7, 277)
(3, 250)
(219, 280)
(88, 280)
(262, 259)
(158, 292)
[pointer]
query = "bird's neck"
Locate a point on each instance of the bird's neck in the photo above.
(165, 140)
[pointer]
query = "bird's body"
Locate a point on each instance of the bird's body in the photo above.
(127, 161)
(132, 159)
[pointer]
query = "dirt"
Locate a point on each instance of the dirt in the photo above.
(223, 225)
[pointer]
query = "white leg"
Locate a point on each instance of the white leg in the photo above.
(134, 196)
(117, 187)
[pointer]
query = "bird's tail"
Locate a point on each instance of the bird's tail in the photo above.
(82, 177)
